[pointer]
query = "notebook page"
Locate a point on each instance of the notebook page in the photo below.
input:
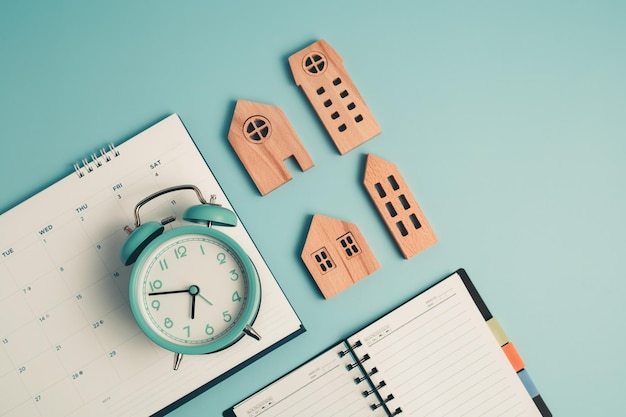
(322, 387)
(438, 358)
(69, 345)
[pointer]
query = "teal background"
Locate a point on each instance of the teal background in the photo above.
(507, 120)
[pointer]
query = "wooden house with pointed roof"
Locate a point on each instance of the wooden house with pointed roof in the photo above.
(397, 206)
(318, 70)
(263, 139)
(336, 254)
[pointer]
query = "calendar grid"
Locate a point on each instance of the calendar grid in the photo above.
(68, 342)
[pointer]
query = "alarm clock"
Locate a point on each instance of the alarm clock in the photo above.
(193, 289)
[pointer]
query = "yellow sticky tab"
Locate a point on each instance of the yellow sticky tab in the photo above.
(497, 331)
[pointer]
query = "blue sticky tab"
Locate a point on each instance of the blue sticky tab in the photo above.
(528, 383)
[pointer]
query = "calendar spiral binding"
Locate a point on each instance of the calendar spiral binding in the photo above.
(86, 166)
(368, 373)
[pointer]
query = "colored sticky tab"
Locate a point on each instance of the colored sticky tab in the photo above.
(528, 383)
(514, 357)
(498, 331)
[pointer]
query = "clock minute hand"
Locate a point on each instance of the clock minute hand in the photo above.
(167, 292)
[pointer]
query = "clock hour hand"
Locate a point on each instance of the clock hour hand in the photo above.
(194, 290)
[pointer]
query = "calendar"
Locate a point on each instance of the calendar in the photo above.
(69, 345)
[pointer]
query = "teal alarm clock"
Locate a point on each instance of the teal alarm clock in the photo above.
(193, 289)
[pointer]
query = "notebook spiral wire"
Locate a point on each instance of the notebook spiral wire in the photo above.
(356, 364)
(351, 348)
(86, 165)
(382, 401)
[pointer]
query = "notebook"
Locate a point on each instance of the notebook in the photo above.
(69, 345)
(439, 354)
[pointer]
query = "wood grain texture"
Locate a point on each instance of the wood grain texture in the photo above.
(397, 206)
(263, 139)
(336, 255)
(319, 71)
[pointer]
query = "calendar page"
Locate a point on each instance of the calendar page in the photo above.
(69, 345)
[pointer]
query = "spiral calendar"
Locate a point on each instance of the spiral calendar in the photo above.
(69, 345)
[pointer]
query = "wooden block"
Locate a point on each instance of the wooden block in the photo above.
(336, 254)
(397, 206)
(318, 70)
(263, 139)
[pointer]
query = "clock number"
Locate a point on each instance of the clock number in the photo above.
(157, 284)
(188, 330)
(234, 276)
(163, 264)
(236, 297)
(156, 304)
(221, 258)
(209, 329)
(168, 323)
(202, 249)
(227, 316)
(180, 252)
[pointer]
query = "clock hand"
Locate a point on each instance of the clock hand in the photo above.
(205, 299)
(193, 291)
(168, 292)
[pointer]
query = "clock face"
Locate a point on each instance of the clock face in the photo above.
(193, 290)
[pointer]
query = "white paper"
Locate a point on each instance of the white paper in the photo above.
(69, 344)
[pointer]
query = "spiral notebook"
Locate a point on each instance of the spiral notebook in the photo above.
(439, 354)
(69, 345)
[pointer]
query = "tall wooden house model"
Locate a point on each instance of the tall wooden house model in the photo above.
(397, 206)
(318, 70)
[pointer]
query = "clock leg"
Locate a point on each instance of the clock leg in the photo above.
(178, 357)
(252, 333)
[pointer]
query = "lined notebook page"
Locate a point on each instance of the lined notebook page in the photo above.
(69, 345)
(437, 357)
(323, 387)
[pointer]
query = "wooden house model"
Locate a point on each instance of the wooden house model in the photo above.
(263, 139)
(336, 254)
(319, 71)
(397, 206)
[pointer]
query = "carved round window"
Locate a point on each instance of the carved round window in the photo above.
(257, 129)
(314, 63)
